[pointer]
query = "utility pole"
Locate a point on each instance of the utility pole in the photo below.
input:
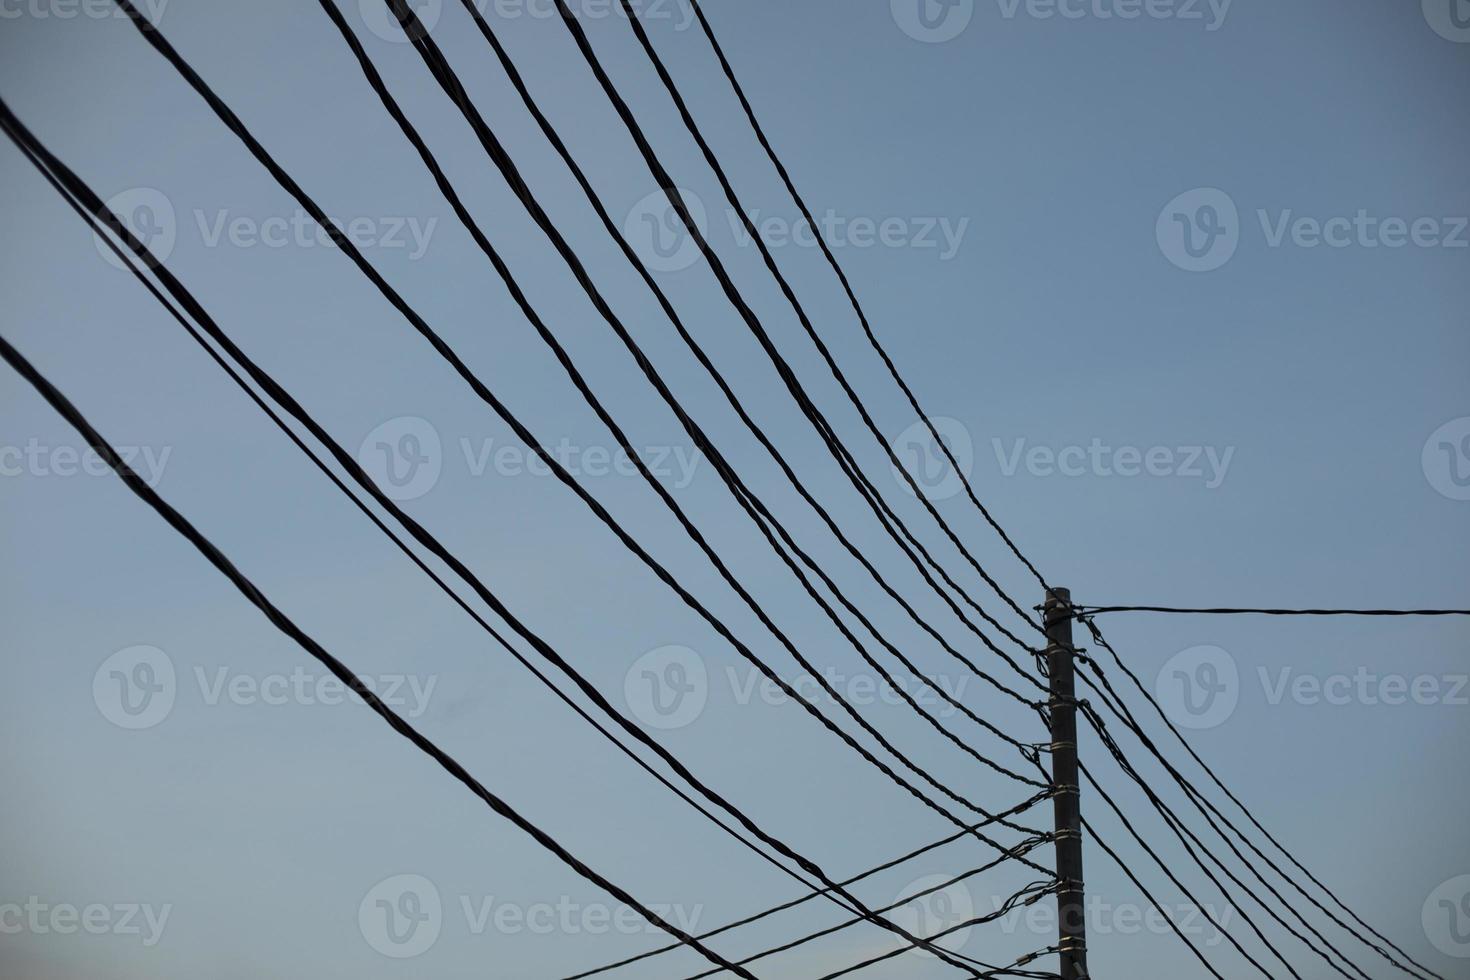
(1071, 917)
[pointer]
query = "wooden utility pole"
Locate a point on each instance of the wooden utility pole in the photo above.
(1071, 909)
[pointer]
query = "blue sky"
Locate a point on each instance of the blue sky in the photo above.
(1190, 286)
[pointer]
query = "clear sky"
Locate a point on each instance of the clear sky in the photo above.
(1189, 279)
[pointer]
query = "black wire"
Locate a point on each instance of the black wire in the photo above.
(754, 509)
(671, 191)
(434, 59)
(552, 136)
(1108, 696)
(851, 293)
(1163, 866)
(282, 622)
(785, 906)
(1128, 871)
(1181, 831)
(100, 229)
(1034, 891)
(1201, 798)
(831, 258)
(1115, 704)
(1102, 641)
(675, 199)
(1081, 611)
(343, 242)
(421, 534)
(1010, 971)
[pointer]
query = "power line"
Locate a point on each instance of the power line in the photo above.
(671, 191)
(549, 131)
(282, 397)
(1168, 872)
(1120, 710)
(751, 504)
(101, 228)
(283, 623)
(1181, 831)
(1137, 728)
(1128, 672)
(847, 287)
(1026, 896)
(1082, 611)
(785, 906)
(348, 248)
